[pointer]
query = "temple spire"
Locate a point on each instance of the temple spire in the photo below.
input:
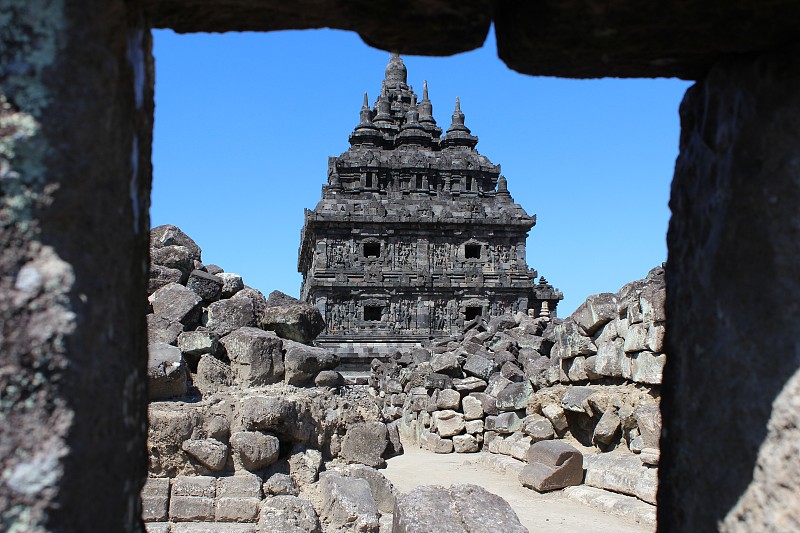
(396, 73)
(365, 112)
(458, 134)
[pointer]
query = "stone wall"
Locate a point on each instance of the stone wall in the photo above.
(592, 379)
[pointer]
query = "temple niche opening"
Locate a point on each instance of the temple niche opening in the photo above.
(416, 233)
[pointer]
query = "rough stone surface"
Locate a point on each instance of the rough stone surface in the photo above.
(212, 375)
(166, 372)
(302, 363)
(206, 286)
(224, 316)
(177, 304)
(552, 465)
(211, 452)
(288, 514)
(256, 356)
(291, 319)
(383, 492)
(347, 502)
(254, 450)
(365, 443)
(623, 473)
(464, 508)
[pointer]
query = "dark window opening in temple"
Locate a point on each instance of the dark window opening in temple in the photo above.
(472, 313)
(368, 182)
(372, 313)
(469, 184)
(372, 249)
(419, 182)
(472, 251)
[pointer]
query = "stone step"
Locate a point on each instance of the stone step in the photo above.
(613, 503)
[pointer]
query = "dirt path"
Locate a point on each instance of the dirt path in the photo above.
(538, 512)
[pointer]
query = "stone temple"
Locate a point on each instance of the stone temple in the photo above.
(416, 233)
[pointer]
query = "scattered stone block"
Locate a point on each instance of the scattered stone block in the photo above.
(176, 303)
(555, 414)
(488, 402)
(537, 428)
(507, 422)
(448, 423)
(624, 473)
(197, 343)
(254, 450)
(161, 276)
(304, 465)
(224, 316)
(231, 283)
(647, 367)
(212, 374)
(291, 319)
(329, 378)
(166, 372)
(191, 509)
(302, 363)
(607, 428)
(210, 452)
(256, 356)
(365, 443)
(474, 427)
(279, 484)
(206, 286)
(469, 384)
(347, 502)
(496, 384)
(160, 329)
(575, 399)
(479, 367)
(288, 514)
(596, 311)
(472, 407)
(552, 465)
(434, 443)
(438, 381)
(514, 396)
(648, 420)
(465, 444)
(435, 508)
(383, 492)
(448, 399)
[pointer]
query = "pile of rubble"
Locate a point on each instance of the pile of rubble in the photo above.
(591, 380)
(249, 429)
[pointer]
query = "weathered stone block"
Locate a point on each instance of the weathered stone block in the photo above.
(514, 396)
(365, 443)
(254, 450)
(291, 319)
(278, 484)
(507, 422)
(191, 509)
(177, 304)
(166, 372)
(236, 509)
(448, 423)
(256, 356)
(224, 316)
(596, 311)
(479, 367)
(206, 286)
(488, 403)
(647, 367)
(537, 427)
(211, 452)
(472, 407)
(465, 444)
(607, 428)
(448, 399)
(347, 502)
(288, 514)
(155, 499)
(231, 283)
(623, 473)
(555, 414)
(434, 508)
(198, 342)
(302, 363)
(552, 465)
(212, 374)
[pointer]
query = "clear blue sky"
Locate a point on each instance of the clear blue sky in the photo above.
(245, 123)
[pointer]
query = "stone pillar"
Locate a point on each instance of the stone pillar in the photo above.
(733, 304)
(76, 105)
